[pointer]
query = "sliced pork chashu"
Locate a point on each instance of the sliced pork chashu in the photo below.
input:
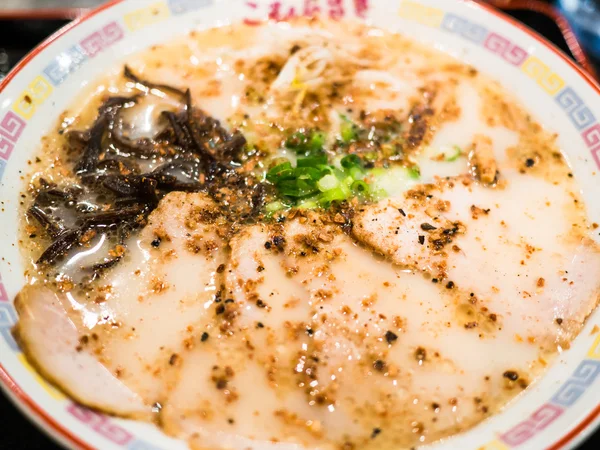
(323, 342)
(129, 336)
(49, 333)
(520, 257)
(302, 336)
(235, 388)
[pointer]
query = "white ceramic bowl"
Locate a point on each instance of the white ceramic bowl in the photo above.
(557, 412)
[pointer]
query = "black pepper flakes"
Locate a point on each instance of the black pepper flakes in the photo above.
(391, 337)
(268, 245)
(427, 227)
(173, 359)
(450, 285)
(379, 365)
(375, 432)
(221, 268)
(156, 242)
(511, 375)
(260, 303)
(529, 162)
(279, 241)
(559, 321)
(220, 309)
(420, 354)
(421, 240)
(401, 211)
(259, 325)
(204, 337)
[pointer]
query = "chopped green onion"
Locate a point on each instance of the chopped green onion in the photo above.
(350, 161)
(280, 171)
(308, 173)
(317, 140)
(348, 134)
(325, 169)
(414, 172)
(347, 182)
(338, 194)
(308, 204)
(328, 182)
(353, 165)
(360, 187)
(297, 188)
(306, 143)
(314, 182)
(296, 140)
(348, 130)
(391, 181)
(457, 152)
(275, 206)
(356, 173)
(312, 161)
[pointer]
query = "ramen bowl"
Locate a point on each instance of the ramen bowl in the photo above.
(559, 411)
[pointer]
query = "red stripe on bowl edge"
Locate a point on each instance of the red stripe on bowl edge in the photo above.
(42, 13)
(53, 38)
(7, 381)
(542, 40)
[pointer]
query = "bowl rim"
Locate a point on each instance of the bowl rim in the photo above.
(62, 434)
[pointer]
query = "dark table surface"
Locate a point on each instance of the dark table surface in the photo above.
(15, 430)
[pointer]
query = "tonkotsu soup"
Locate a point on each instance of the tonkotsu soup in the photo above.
(301, 235)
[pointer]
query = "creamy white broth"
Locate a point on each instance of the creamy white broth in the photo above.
(395, 318)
